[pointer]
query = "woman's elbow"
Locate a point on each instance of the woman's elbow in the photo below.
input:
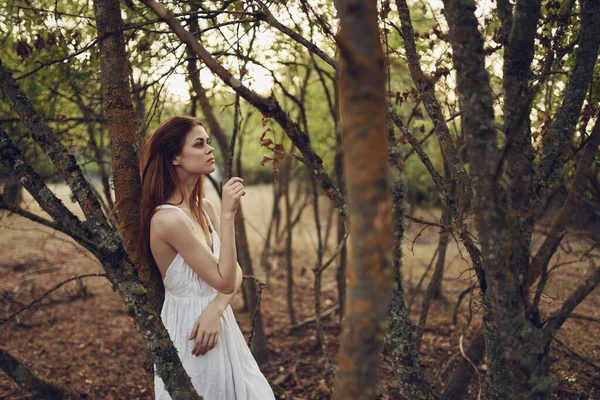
(227, 289)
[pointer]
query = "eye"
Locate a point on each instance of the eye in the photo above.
(199, 144)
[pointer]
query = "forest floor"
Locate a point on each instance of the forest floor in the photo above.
(80, 336)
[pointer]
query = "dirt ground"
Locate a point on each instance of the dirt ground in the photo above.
(80, 336)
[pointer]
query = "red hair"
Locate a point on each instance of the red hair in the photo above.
(160, 180)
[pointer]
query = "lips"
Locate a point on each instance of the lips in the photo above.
(212, 160)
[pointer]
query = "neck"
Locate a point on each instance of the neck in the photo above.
(188, 184)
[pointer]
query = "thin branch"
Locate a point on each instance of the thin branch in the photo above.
(558, 318)
(577, 355)
(91, 246)
(268, 106)
(427, 90)
(60, 60)
(268, 17)
(42, 297)
(58, 153)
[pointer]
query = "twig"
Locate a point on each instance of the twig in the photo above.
(39, 299)
(412, 298)
(462, 352)
(309, 321)
(261, 286)
(577, 355)
(42, 65)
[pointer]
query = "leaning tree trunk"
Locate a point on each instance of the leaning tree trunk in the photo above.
(369, 274)
(124, 145)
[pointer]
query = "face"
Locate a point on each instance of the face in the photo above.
(196, 156)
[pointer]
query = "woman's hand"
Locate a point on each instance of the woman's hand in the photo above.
(206, 331)
(233, 191)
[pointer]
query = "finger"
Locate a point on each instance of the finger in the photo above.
(215, 341)
(197, 343)
(204, 345)
(194, 331)
(236, 186)
(237, 190)
(233, 180)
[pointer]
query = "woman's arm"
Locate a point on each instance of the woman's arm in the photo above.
(173, 229)
(222, 300)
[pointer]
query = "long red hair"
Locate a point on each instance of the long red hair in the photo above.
(159, 178)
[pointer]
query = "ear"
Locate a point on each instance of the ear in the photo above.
(177, 160)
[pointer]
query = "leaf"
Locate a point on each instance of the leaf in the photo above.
(265, 160)
(278, 151)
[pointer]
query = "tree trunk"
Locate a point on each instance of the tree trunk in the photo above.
(456, 389)
(369, 274)
(341, 226)
(12, 190)
(288, 243)
(400, 346)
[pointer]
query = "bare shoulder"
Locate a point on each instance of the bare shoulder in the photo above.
(212, 213)
(166, 221)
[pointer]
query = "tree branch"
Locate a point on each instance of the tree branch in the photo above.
(268, 106)
(51, 224)
(432, 105)
(12, 159)
(557, 230)
(561, 130)
(42, 297)
(438, 180)
(29, 381)
(268, 17)
(558, 318)
(60, 156)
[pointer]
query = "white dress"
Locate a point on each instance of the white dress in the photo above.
(228, 371)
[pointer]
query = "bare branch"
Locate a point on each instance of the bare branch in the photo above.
(548, 248)
(268, 17)
(29, 381)
(58, 153)
(558, 318)
(268, 106)
(561, 130)
(43, 296)
(427, 89)
(51, 224)
(12, 159)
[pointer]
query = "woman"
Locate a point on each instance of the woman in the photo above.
(195, 253)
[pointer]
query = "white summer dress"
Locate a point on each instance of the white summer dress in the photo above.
(228, 371)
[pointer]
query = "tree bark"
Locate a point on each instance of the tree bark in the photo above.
(400, 346)
(456, 388)
(522, 341)
(121, 123)
(364, 122)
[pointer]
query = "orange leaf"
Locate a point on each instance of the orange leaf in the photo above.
(265, 160)
(278, 151)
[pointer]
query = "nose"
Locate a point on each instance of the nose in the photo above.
(210, 149)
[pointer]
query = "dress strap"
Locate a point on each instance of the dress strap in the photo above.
(180, 210)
